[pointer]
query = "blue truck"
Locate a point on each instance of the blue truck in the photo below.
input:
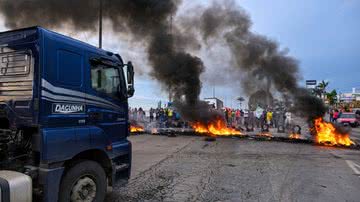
(63, 118)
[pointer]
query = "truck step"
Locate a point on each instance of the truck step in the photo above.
(121, 167)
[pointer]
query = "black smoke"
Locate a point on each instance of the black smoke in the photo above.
(260, 59)
(263, 65)
(147, 21)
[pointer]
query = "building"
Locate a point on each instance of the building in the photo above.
(215, 102)
(354, 95)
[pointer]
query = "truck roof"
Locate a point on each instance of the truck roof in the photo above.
(73, 41)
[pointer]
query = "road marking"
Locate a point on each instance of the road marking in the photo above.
(355, 167)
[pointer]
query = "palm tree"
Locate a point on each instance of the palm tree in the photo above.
(322, 87)
(332, 97)
(317, 91)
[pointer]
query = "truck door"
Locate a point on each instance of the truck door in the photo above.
(63, 100)
(106, 111)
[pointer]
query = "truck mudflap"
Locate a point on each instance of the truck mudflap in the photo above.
(50, 180)
(15, 187)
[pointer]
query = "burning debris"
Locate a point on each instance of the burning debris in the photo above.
(265, 135)
(296, 132)
(328, 134)
(217, 127)
(295, 136)
(136, 129)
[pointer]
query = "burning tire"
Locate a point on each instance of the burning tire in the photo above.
(265, 128)
(281, 129)
(296, 129)
(249, 129)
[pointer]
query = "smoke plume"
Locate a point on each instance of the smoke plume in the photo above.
(146, 21)
(258, 57)
(263, 65)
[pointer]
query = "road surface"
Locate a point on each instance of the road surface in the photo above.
(355, 134)
(191, 169)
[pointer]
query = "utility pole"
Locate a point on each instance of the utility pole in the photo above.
(170, 93)
(100, 22)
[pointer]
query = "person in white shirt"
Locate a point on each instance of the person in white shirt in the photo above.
(287, 119)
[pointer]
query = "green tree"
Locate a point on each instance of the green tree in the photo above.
(317, 91)
(322, 88)
(332, 97)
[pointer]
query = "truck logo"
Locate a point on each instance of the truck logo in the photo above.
(59, 108)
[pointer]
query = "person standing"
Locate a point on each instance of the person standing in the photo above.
(226, 115)
(237, 116)
(233, 117)
(151, 113)
(335, 115)
(274, 119)
(157, 114)
(170, 117)
(287, 119)
(135, 114)
(269, 116)
(162, 117)
(246, 117)
(141, 114)
(331, 117)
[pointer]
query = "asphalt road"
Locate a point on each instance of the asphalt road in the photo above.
(355, 134)
(191, 169)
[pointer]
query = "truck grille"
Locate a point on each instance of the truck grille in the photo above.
(14, 63)
(16, 75)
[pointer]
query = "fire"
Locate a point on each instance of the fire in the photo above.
(294, 136)
(217, 127)
(326, 134)
(135, 129)
(265, 135)
(154, 131)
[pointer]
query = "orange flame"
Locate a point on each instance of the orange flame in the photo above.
(326, 134)
(294, 136)
(216, 127)
(265, 135)
(135, 129)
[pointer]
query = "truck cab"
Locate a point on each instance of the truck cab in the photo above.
(63, 115)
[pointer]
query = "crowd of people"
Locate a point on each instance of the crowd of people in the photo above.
(271, 118)
(137, 114)
(163, 117)
(236, 118)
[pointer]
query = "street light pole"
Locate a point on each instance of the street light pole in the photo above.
(100, 22)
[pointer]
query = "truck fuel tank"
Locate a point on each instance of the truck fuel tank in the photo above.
(15, 187)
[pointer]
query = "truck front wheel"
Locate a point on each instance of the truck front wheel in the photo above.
(85, 181)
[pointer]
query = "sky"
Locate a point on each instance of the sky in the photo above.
(323, 35)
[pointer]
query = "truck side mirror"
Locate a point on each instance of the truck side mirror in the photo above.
(130, 79)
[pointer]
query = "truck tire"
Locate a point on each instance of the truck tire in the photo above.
(84, 181)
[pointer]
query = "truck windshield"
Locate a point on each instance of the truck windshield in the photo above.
(105, 79)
